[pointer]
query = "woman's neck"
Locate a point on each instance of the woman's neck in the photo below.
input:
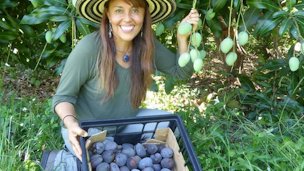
(123, 53)
(123, 47)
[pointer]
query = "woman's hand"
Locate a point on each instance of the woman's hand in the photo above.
(192, 18)
(74, 132)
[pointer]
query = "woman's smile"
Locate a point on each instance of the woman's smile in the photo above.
(127, 28)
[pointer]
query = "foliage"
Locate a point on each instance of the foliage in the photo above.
(281, 96)
(27, 127)
(20, 30)
(256, 125)
(226, 136)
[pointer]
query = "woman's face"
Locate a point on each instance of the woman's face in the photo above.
(126, 20)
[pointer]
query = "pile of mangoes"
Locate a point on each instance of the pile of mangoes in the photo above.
(107, 155)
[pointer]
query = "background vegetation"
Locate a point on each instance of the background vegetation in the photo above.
(245, 117)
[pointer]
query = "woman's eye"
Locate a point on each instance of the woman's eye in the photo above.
(118, 11)
(135, 10)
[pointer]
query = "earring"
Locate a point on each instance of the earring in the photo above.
(110, 31)
(141, 33)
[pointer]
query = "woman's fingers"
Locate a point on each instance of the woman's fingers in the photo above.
(75, 145)
(77, 152)
(192, 17)
(74, 135)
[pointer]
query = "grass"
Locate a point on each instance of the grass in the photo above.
(28, 128)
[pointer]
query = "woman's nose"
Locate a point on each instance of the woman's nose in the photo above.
(128, 16)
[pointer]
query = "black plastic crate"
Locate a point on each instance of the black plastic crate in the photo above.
(114, 128)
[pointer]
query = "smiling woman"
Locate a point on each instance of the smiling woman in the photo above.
(107, 74)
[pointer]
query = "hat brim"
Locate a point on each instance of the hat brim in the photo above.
(93, 9)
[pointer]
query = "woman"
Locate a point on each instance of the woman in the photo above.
(108, 73)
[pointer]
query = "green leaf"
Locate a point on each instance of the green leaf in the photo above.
(281, 13)
(82, 27)
(32, 20)
(28, 30)
(154, 86)
(64, 26)
(5, 25)
(14, 22)
(294, 32)
(251, 17)
(290, 4)
(236, 4)
(37, 3)
(299, 14)
(264, 4)
(52, 10)
(184, 5)
(88, 22)
(41, 15)
(264, 26)
(299, 6)
(215, 27)
(59, 18)
(47, 53)
(55, 3)
(171, 21)
(246, 83)
(300, 22)
(285, 25)
(7, 36)
(169, 84)
(7, 4)
(272, 65)
(218, 4)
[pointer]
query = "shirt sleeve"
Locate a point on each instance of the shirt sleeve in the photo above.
(167, 62)
(78, 68)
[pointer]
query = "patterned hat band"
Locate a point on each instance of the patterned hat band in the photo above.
(93, 9)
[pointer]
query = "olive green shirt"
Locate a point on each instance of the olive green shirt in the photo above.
(79, 83)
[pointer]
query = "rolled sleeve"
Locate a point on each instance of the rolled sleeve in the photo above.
(62, 98)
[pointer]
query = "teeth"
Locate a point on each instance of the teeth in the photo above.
(127, 28)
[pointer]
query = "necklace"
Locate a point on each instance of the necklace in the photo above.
(125, 57)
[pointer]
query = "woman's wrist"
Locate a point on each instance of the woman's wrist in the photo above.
(69, 119)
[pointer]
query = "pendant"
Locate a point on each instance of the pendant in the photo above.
(126, 58)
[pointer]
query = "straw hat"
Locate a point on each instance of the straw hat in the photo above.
(93, 9)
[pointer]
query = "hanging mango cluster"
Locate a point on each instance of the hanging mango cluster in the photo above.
(194, 53)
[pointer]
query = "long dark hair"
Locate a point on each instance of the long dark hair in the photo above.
(141, 61)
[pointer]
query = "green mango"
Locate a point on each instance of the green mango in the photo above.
(184, 28)
(183, 59)
(302, 47)
(194, 54)
(243, 38)
(203, 54)
(49, 36)
(226, 45)
(231, 58)
(196, 39)
(294, 63)
(198, 64)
